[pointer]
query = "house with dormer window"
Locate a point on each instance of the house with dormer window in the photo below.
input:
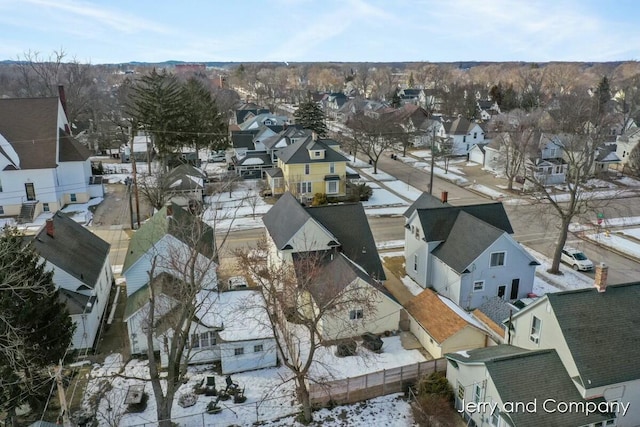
(466, 253)
(309, 166)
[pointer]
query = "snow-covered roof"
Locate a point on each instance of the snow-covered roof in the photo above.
(241, 314)
(253, 161)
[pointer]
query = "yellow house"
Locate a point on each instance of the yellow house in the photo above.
(307, 167)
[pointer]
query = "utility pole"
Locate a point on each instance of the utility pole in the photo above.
(64, 412)
(433, 160)
(128, 182)
(135, 180)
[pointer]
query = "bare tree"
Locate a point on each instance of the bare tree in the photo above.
(581, 128)
(373, 136)
(515, 136)
(299, 295)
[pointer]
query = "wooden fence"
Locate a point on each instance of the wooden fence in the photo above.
(372, 385)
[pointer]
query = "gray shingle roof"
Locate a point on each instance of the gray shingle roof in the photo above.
(602, 331)
(242, 139)
(498, 310)
(284, 219)
(346, 222)
(468, 238)
(425, 201)
(437, 222)
(73, 249)
(517, 378)
(76, 303)
(298, 152)
(485, 354)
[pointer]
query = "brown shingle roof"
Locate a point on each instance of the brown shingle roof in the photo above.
(440, 321)
(31, 127)
(71, 150)
(489, 322)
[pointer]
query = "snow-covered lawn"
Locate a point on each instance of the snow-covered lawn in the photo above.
(597, 195)
(382, 197)
(268, 396)
(240, 210)
(488, 191)
(546, 282)
(628, 181)
(379, 176)
(633, 232)
(618, 243)
(330, 367)
(391, 410)
(422, 153)
(404, 189)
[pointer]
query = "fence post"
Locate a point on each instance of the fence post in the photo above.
(348, 381)
(384, 381)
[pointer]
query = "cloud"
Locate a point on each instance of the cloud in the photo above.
(116, 20)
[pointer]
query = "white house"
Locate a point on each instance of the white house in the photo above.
(167, 240)
(463, 134)
(231, 327)
(625, 143)
(42, 167)
(81, 271)
(466, 253)
(506, 386)
(340, 237)
(547, 166)
(593, 330)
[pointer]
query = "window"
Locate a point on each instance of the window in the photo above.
(497, 259)
(475, 135)
(415, 262)
(0, 186)
(478, 286)
(1, 210)
(332, 169)
(536, 324)
(307, 169)
(45, 207)
(73, 197)
(495, 417)
(356, 314)
(477, 393)
(464, 138)
(238, 351)
(257, 348)
(303, 187)
(460, 391)
(317, 153)
(203, 340)
(332, 187)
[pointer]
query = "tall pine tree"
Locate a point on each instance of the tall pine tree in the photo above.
(35, 328)
(310, 116)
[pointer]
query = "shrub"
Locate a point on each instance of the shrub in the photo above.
(437, 384)
(319, 199)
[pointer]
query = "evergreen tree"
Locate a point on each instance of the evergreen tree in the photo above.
(155, 104)
(603, 94)
(396, 102)
(202, 124)
(35, 328)
(310, 116)
(412, 82)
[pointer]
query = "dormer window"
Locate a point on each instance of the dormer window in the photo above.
(317, 153)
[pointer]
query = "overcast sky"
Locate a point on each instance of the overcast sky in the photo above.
(112, 31)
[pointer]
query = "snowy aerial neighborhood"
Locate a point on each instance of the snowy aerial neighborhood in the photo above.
(335, 257)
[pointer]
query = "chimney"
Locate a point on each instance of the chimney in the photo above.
(314, 135)
(49, 227)
(600, 280)
(169, 210)
(444, 196)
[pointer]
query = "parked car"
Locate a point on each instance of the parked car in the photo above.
(576, 259)
(238, 282)
(217, 156)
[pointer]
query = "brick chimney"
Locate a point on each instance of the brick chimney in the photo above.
(169, 210)
(444, 196)
(49, 227)
(600, 280)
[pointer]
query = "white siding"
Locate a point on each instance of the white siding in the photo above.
(250, 359)
(74, 179)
